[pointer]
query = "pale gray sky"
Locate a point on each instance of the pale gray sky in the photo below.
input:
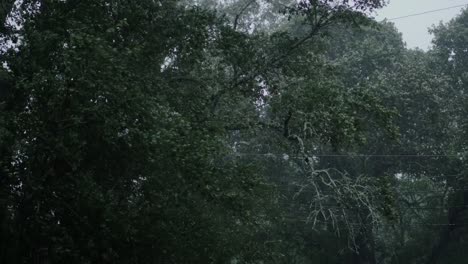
(414, 28)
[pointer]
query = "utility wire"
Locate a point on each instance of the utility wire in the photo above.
(337, 207)
(405, 192)
(289, 219)
(349, 155)
(427, 12)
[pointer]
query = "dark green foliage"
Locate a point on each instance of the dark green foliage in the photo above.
(261, 132)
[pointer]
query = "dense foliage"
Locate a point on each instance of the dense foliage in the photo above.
(250, 131)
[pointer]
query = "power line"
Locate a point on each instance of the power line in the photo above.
(405, 192)
(351, 155)
(339, 208)
(289, 219)
(430, 194)
(427, 12)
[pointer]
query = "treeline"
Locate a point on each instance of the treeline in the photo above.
(248, 131)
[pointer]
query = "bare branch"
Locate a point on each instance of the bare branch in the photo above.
(236, 20)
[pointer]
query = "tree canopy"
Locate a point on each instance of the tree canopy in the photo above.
(256, 131)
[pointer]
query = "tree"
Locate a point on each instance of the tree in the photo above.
(126, 122)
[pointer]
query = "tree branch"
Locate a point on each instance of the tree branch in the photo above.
(236, 20)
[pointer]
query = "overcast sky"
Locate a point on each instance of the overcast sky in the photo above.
(414, 28)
